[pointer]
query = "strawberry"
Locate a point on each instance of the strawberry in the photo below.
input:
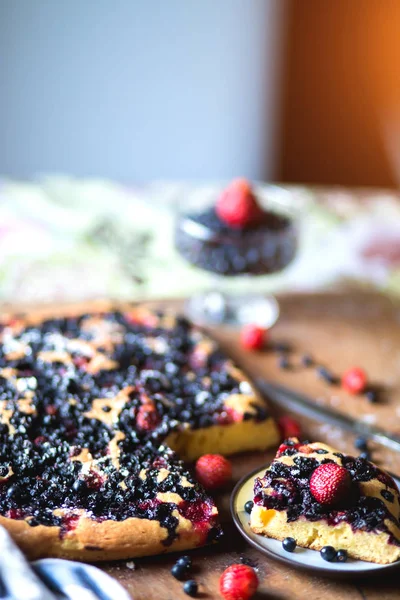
(238, 582)
(289, 427)
(237, 205)
(252, 337)
(354, 380)
(213, 471)
(147, 417)
(330, 483)
(229, 415)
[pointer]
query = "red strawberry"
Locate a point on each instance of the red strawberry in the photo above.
(252, 337)
(213, 471)
(147, 417)
(238, 582)
(289, 427)
(229, 415)
(330, 483)
(354, 380)
(237, 205)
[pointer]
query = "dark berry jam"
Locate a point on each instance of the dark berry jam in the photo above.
(266, 247)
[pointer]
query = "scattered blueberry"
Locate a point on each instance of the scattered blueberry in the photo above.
(365, 455)
(360, 443)
(306, 360)
(371, 396)
(327, 375)
(281, 347)
(289, 544)
(248, 507)
(185, 560)
(191, 588)
(328, 553)
(341, 555)
(283, 363)
(179, 571)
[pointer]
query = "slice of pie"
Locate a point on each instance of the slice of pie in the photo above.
(98, 407)
(321, 497)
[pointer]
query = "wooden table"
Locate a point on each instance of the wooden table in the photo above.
(339, 331)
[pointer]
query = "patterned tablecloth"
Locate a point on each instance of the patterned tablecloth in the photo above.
(68, 239)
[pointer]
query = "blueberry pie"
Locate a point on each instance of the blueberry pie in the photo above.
(98, 410)
(320, 497)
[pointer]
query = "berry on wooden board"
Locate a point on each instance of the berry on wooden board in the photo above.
(238, 582)
(191, 588)
(213, 471)
(289, 427)
(354, 380)
(253, 337)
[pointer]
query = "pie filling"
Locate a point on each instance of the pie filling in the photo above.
(86, 405)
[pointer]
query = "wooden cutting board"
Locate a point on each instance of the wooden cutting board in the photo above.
(339, 331)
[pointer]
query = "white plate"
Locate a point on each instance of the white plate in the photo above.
(301, 558)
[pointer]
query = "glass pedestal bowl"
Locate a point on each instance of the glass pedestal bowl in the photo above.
(265, 248)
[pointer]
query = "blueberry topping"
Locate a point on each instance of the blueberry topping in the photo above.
(248, 507)
(328, 553)
(341, 556)
(387, 495)
(365, 455)
(289, 544)
(191, 588)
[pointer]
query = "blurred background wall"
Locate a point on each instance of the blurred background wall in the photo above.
(293, 90)
(141, 89)
(341, 107)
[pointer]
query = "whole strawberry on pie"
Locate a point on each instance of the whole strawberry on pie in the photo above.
(321, 497)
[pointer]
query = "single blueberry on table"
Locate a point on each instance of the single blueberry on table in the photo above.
(191, 588)
(283, 363)
(306, 360)
(327, 375)
(179, 571)
(372, 396)
(361, 443)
